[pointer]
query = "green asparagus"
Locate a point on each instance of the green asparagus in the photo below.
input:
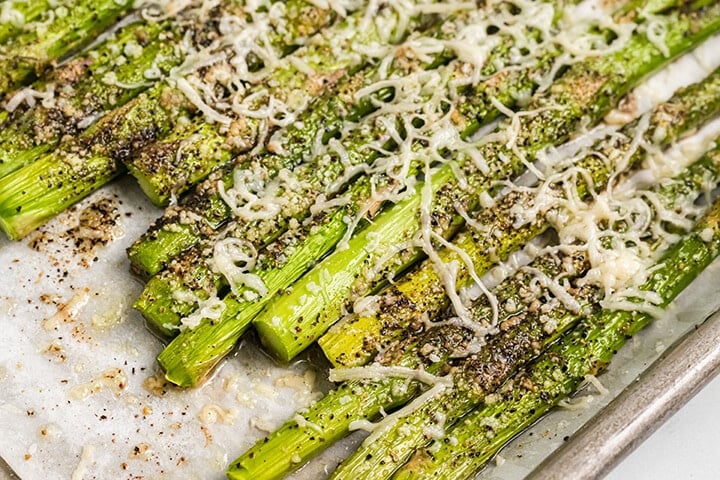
(107, 77)
(587, 350)
(32, 52)
(16, 15)
(354, 341)
(588, 90)
(206, 211)
(95, 157)
(330, 418)
(187, 359)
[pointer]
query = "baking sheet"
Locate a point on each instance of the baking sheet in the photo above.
(698, 302)
(630, 418)
(80, 396)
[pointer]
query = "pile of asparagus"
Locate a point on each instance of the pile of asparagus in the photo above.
(350, 173)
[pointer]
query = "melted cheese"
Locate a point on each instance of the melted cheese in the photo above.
(380, 372)
(30, 97)
(656, 31)
(9, 14)
(380, 428)
(210, 309)
(235, 259)
(250, 197)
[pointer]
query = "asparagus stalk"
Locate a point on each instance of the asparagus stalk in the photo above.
(187, 359)
(176, 164)
(355, 340)
(480, 374)
(330, 418)
(17, 15)
(96, 156)
(175, 232)
(104, 78)
(192, 271)
(32, 52)
(205, 212)
(587, 350)
(588, 90)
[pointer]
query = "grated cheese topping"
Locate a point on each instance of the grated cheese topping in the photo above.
(387, 423)
(10, 14)
(211, 309)
(623, 229)
(614, 230)
(235, 259)
(233, 89)
(380, 372)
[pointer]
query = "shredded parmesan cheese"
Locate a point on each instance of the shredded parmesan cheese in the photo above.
(391, 420)
(235, 259)
(86, 460)
(379, 372)
(9, 14)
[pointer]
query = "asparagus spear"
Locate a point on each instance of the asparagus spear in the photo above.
(96, 156)
(176, 164)
(587, 350)
(188, 359)
(32, 52)
(205, 212)
(480, 374)
(194, 273)
(16, 15)
(330, 418)
(76, 93)
(588, 90)
(354, 341)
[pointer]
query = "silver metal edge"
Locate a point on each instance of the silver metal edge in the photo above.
(640, 409)
(7, 473)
